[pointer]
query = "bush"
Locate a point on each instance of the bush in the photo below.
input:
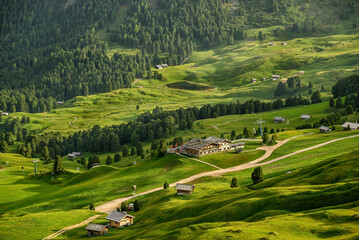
(234, 182)
(257, 175)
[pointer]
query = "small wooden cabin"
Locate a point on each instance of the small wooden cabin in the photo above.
(184, 189)
(159, 66)
(118, 219)
(324, 129)
(278, 120)
(275, 77)
(94, 229)
(305, 117)
(253, 80)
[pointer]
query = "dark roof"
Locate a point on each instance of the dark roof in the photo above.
(184, 187)
(95, 227)
(117, 216)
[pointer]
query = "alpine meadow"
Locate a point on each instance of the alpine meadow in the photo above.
(179, 119)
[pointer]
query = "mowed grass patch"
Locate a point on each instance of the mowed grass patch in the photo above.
(230, 159)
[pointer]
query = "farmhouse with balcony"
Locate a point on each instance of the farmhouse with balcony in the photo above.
(200, 147)
(118, 219)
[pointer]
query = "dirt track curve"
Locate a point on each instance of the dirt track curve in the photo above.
(111, 205)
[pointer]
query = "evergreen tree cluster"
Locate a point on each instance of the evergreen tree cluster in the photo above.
(346, 86)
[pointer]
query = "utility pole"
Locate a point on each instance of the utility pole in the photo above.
(35, 161)
(259, 122)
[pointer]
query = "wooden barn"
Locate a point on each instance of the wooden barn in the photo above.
(94, 229)
(305, 117)
(184, 189)
(159, 66)
(324, 129)
(278, 120)
(253, 80)
(118, 219)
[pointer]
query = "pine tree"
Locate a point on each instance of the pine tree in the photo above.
(233, 135)
(166, 185)
(162, 148)
(123, 207)
(133, 151)
(57, 168)
(316, 98)
(234, 182)
(46, 155)
(117, 157)
(265, 138)
(109, 160)
(349, 109)
(257, 175)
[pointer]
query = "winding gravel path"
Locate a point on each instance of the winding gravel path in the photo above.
(111, 205)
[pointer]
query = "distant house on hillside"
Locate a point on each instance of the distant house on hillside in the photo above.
(278, 120)
(73, 155)
(275, 77)
(5, 113)
(159, 66)
(263, 79)
(353, 126)
(253, 80)
(184, 189)
(272, 44)
(305, 117)
(94, 229)
(60, 103)
(324, 129)
(301, 72)
(164, 65)
(284, 43)
(118, 219)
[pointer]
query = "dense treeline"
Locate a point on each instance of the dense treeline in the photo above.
(149, 126)
(12, 130)
(346, 86)
(49, 51)
(173, 28)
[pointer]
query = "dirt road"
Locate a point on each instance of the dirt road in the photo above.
(71, 123)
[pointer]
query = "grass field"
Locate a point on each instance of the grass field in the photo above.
(279, 208)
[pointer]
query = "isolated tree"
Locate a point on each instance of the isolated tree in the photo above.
(333, 128)
(234, 182)
(348, 128)
(117, 157)
(349, 109)
(310, 85)
(271, 131)
(257, 175)
(57, 168)
(233, 135)
(137, 107)
(109, 160)
(123, 207)
(92, 207)
(274, 138)
(166, 185)
(265, 138)
(136, 206)
(331, 102)
(139, 149)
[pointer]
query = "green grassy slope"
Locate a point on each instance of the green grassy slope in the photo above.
(313, 202)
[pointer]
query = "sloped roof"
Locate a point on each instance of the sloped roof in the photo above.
(351, 124)
(198, 144)
(184, 187)
(305, 116)
(117, 216)
(95, 227)
(324, 128)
